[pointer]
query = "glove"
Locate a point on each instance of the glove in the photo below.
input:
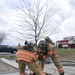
(62, 73)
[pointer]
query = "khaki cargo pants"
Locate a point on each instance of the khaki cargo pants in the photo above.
(33, 66)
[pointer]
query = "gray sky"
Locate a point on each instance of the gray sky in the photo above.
(65, 16)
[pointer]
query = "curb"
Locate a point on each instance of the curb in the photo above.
(13, 64)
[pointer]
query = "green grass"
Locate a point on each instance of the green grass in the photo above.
(61, 52)
(8, 57)
(65, 52)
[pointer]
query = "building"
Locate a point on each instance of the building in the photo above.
(67, 42)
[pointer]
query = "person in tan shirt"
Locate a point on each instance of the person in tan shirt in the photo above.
(24, 56)
(47, 49)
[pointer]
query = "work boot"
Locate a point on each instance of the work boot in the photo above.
(34, 73)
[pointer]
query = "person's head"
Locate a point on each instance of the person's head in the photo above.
(19, 47)
(42, 46)
(29, 45)
(26, 42)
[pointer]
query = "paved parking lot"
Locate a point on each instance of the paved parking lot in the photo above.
(49, 68)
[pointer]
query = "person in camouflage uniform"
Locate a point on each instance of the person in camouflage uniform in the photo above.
(47, 49)
(24, 56)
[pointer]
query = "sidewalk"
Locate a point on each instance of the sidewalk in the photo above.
(49, 68)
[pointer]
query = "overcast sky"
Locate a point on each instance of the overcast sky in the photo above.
(66, 17)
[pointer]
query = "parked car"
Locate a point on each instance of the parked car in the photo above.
(7, 48)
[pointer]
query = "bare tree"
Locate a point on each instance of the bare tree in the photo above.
(34, 18)
(2, 37)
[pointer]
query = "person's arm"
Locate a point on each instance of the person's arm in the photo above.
(55, 59)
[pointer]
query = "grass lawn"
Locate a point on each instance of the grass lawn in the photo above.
(65, 52)
(10, 57)
(62, 52)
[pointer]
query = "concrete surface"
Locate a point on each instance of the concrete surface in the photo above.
(49, 68)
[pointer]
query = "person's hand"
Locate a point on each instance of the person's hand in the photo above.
(62, 73)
